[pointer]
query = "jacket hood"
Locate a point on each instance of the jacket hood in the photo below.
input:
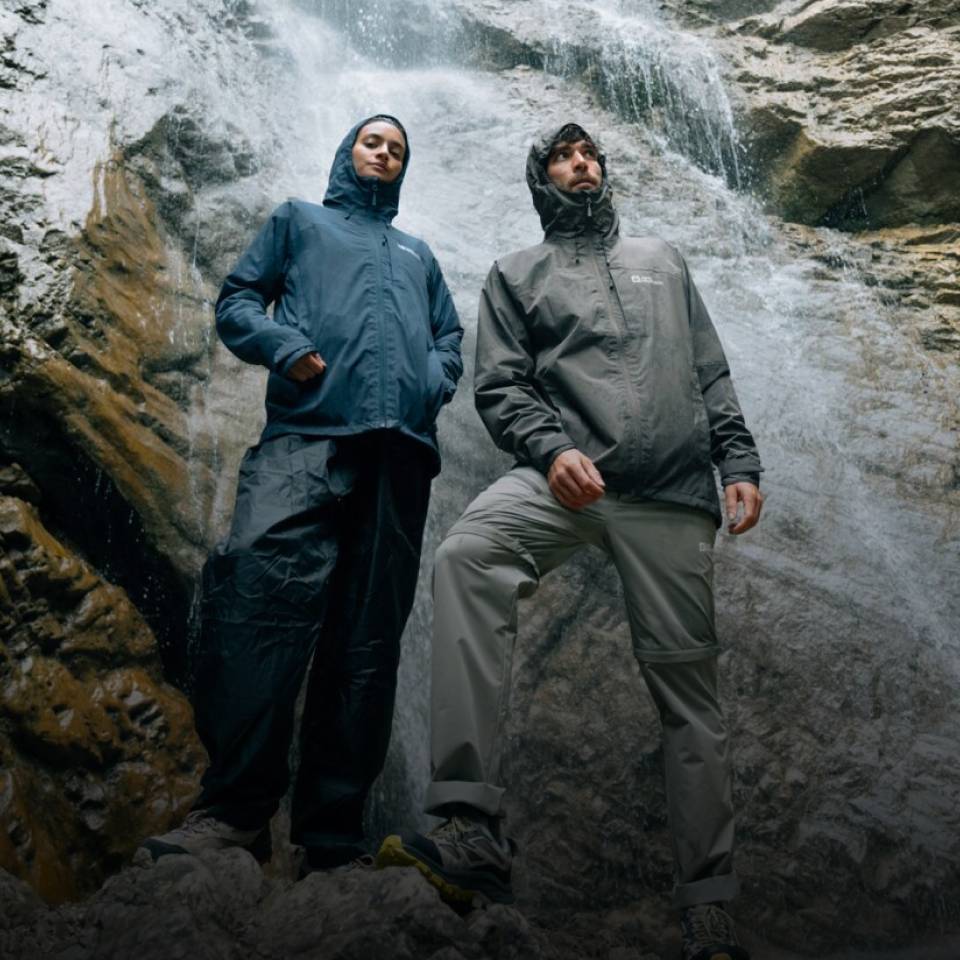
(347, 190)
(562, 213)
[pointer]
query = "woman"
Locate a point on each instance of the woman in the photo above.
(363, 349)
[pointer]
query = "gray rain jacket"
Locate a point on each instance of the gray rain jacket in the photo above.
(598, 342)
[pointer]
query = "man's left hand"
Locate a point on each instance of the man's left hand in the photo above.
(752, 499)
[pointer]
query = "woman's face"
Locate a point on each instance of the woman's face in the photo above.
(378, 151)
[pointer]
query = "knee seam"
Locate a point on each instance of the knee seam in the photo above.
(502, 540)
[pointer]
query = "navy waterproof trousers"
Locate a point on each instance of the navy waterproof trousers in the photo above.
(321, 561)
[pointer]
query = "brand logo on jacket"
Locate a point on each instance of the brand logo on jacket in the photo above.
(640, 278)
(413, 253)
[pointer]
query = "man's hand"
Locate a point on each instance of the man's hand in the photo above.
(310, 365)
(574, 480)
(752, 500)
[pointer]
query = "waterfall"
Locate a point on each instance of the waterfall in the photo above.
(828, 382)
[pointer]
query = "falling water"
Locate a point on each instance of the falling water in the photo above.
(829, 383)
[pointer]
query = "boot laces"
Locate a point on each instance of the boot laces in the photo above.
(197, 821)
(711, 924)
(456, 827)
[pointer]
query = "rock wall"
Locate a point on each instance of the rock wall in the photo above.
(95, 747)
(105, 475)
(850, 110)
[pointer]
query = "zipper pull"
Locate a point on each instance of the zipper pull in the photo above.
(376, 183)
(589, 208)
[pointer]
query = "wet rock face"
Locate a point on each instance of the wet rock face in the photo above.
(847, 110)
(850, 109)
(109, 473)
(97, 750)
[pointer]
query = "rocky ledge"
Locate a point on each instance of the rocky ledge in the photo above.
(222, 905)
(850, 109)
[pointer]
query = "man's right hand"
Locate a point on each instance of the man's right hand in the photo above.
(310, 365)
(574, 480)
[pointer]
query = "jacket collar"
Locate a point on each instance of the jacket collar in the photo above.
(568, 214)
(355, 194)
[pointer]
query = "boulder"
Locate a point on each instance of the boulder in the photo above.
(220, 904)
(849, 110)
(98, 751)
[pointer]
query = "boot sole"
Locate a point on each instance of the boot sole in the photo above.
(393, 853)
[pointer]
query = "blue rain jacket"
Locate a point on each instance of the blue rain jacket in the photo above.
(370, 299)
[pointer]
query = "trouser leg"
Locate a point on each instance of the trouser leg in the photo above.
(664, 554)
(348, 710)
(263, 599)
(697, 778)
(511, 535)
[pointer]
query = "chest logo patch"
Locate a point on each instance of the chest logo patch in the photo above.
(413, 253)
(641, 278)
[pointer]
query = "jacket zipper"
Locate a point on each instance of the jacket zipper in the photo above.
(380, 321)
(623, 334)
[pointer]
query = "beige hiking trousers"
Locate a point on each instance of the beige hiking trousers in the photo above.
(507, 539)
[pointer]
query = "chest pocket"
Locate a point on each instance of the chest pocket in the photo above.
(570, 307)
(654, 301)
(410, 284)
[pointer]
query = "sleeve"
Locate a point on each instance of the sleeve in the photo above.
(732, 447)
(446, 330)
(516, 415)
(256, 281)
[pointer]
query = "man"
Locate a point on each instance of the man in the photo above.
(363, 349)
(599, 369)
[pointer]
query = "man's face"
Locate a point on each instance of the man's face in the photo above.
(575, 166)
(378, 151)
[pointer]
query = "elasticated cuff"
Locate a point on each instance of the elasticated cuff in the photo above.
(753, 478)
(283, 365)
(551, 450)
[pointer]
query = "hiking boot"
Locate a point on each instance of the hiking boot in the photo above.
(201, 831)
(707, 933)
(463, 858)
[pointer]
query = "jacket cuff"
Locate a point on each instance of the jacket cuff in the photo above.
(550, 450)
(286, 357)
(739, 466)
(753, 478)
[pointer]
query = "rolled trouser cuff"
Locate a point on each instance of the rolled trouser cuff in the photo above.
(709, 890)
(677, 656)
(482, 796)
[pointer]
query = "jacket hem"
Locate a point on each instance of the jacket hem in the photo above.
(669, 496)
(283, 429)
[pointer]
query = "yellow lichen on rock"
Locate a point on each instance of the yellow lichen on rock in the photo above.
(97, 750)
